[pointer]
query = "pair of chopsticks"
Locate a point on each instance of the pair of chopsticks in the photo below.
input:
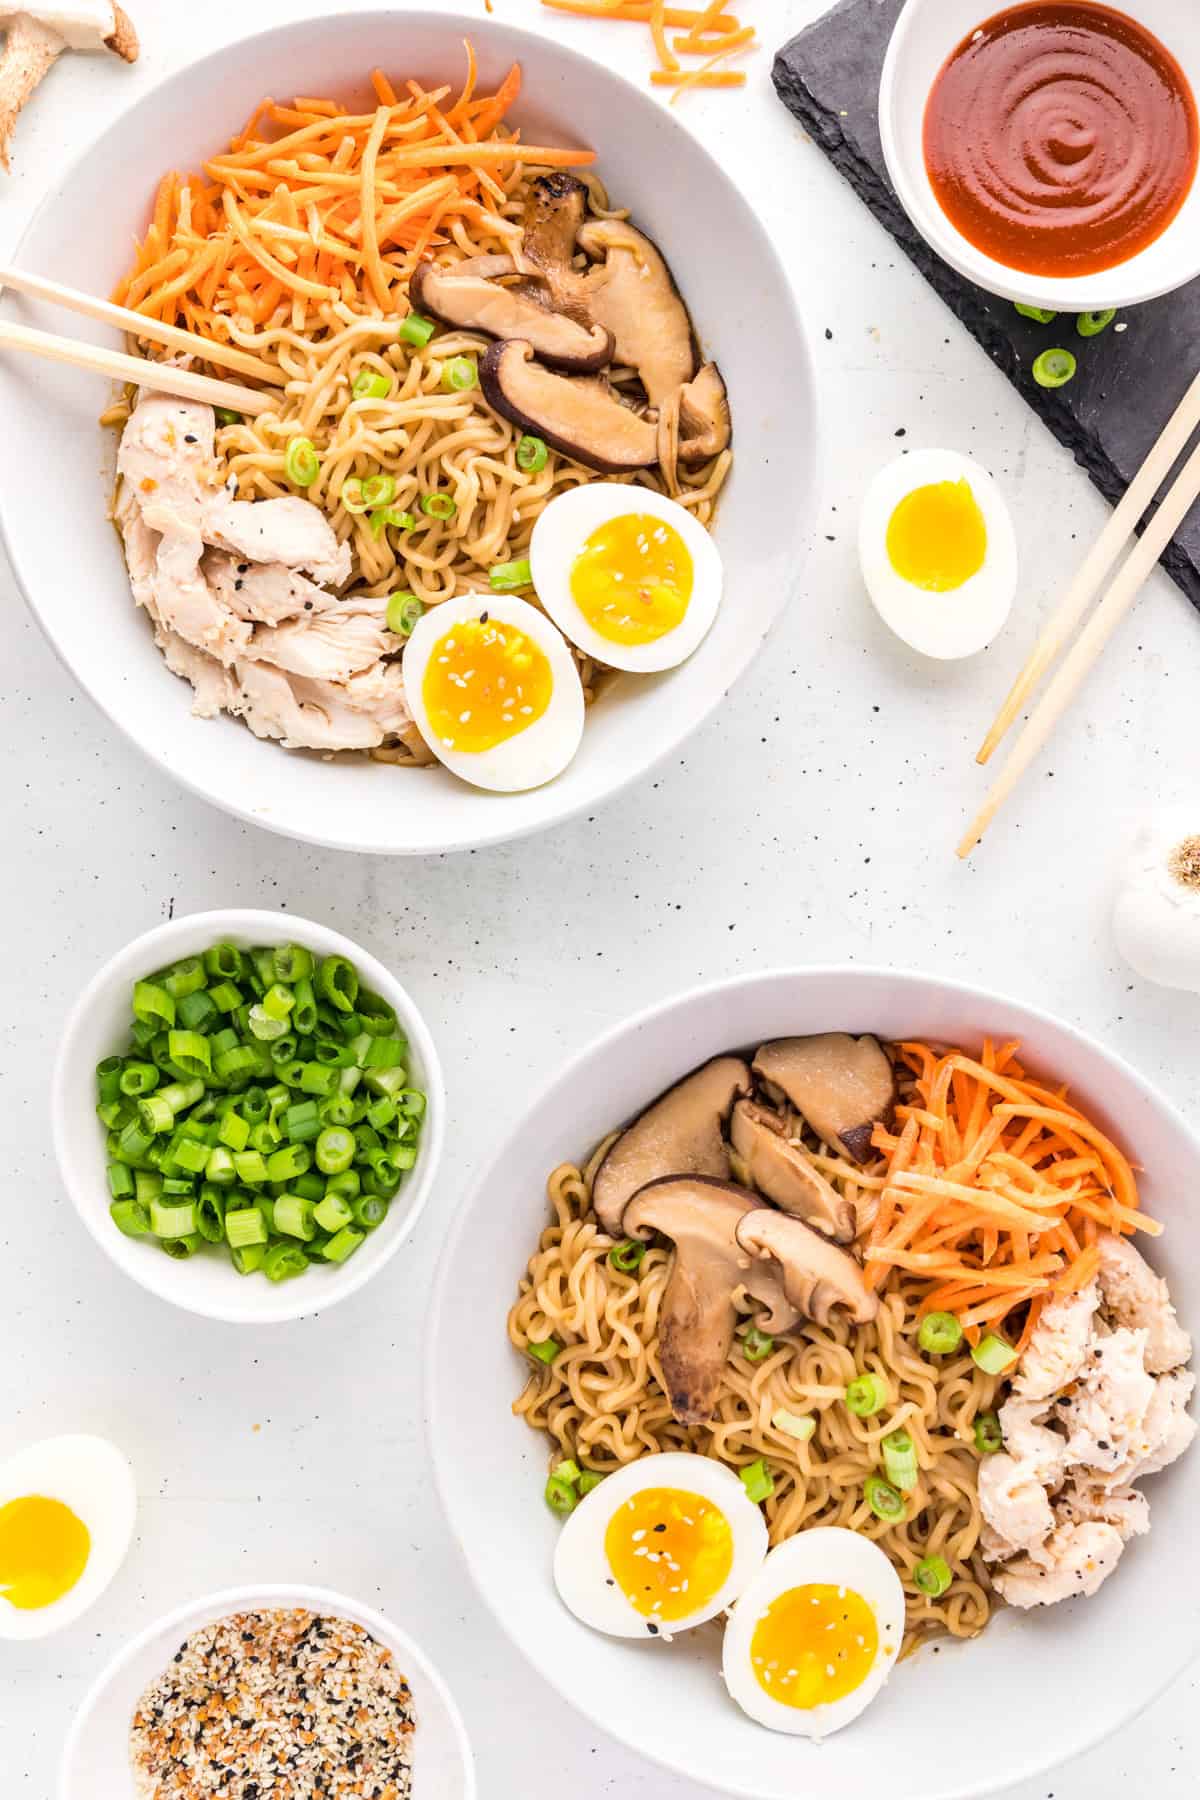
(140, 370)
(1117, 601)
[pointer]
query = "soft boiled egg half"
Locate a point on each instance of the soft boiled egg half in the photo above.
(67, 1507)
(494, 691)
(663, 1544)
(816, 1634)
(627, 575)
(938, 553)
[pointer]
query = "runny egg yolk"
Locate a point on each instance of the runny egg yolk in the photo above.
(633, 578)
(669, 1552)
(813, 1645)
(485, 682)
(44, 1549)
(937, 537)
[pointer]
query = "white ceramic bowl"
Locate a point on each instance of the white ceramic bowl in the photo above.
(99, 1026)
(927, 32)
(740, 300)
(95, 1759)
(1036, 1688)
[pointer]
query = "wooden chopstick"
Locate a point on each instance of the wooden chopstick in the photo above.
(1090, 643)
(143, 373)
(39, 287)
(1099, 563)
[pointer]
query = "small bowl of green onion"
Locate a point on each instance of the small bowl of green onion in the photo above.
(248, 1114)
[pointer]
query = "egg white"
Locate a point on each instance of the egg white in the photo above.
(91, 1476)
(543, 749)
(560, 535)
(965, 620)
(583, 1575)
(824, 1554)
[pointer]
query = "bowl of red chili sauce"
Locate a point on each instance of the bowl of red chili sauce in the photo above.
(1049, 150)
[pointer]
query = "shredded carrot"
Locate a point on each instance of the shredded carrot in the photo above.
(313, 207)
(708, 31)
(995, 1191)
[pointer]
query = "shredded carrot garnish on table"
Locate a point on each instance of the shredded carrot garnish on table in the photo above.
(315, 205)
(708, 31)
(995, 1190)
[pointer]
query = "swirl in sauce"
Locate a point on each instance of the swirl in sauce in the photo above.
(1061, 139)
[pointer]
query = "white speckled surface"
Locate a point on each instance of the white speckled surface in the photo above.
(814, 819)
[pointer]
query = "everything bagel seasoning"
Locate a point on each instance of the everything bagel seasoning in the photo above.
(276, 1705)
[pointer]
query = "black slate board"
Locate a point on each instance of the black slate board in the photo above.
(1129, 383)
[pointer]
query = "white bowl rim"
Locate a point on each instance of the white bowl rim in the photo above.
(1065, 294)
(1082, 1737)
(242, 921)
(281, 1593)
(801, 349)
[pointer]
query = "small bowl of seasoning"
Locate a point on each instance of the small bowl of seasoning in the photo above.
(1048, 151)
(225, 1695)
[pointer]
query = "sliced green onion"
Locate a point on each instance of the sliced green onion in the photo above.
(867, 1395)
(385, 516)
(900, 1460)
(589, 1480)
(227, 416)
(184, 977)
(1038, 314)
(181, 1248)
(351, 496)
(800, 1426)
(288, 1161)
(370, 1210)
(403, 611)
(337, 982)
(416, 331)
(567, 1471)
(131, 1217)
(155, 1113)
(627, 1257)
(993, 1354)
(561, 1496)
(247, 1258)
(546, 1351)
(343, 1244)
(301, 464)
(379, 490)
(988, 1435)
(152, 1004)
(191, 1052)
(294, 1216)
(439, 506)
(332, 1213)
(756, 1345)
(532, 454)
(335, 1150)
(503, 578)
(883, 1499)
(225, 961)
(1091, 324)
(932, 1575)
(283, 1261)
(459, 374)
(369, 384)
(265, 1025)
(758, 1481)
(939, 1334)
(172, 1221)
(1054, 368)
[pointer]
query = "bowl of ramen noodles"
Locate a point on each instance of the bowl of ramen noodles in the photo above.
(524, 456)
(828, 1342)
(1048, 151)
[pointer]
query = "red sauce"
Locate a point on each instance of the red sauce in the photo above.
(1061, 139)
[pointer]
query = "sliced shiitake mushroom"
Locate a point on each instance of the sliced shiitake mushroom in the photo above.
(843, 1086)
(680, 1134)
(580, 415)
(474, 303)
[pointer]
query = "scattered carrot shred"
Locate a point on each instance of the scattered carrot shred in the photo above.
(313, 206)
(997, 1188)
(708, 31)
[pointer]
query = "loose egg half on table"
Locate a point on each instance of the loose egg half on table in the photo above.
(67, 1509)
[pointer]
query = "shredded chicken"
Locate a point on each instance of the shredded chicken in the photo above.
(233, 588)
(1092, 1410)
